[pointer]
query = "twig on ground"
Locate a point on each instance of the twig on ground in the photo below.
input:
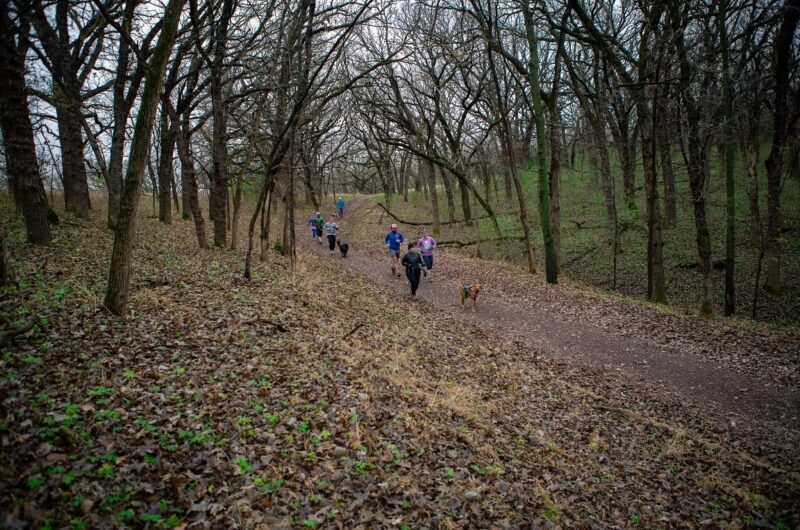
(358, 326)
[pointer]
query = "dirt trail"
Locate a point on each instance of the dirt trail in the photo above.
(582, 343)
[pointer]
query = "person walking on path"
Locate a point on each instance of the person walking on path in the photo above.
(340, 206)
(330, 230)
(320, 226)
(312, 222)
(393, 240)
(426, 244)
(412, 261)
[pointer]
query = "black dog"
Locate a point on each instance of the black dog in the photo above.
(343, 248)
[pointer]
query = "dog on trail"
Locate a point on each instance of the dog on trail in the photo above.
(343, 248)
(470, 292)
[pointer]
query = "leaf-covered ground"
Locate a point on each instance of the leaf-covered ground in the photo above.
(317, 399)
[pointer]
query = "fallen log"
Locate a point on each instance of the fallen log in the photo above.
(459, 244)
(428, 223)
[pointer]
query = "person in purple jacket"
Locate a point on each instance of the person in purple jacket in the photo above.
(426, 244)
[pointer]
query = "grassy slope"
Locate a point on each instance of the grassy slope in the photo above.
(236, 404)
(586, 252)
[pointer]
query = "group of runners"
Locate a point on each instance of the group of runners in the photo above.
(319, 226)
(417, 260)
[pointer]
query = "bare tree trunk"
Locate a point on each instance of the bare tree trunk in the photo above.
(76, 188)
(219, 143)
(555, 145)
(188, 176)
(121, 111)
(266, 211)
(448, 191)
(730, 148)
(750, 146)
(506, 142)
(550, 258)
(116, 298)
(655, 244)
(697, 163)
(20, 150)
(667, 172)
(774, 163)
(431, 174)
(165, 169)
(237, 204)
(465, 205)
(67, 95)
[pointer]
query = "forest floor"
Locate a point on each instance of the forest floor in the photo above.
(325, 398)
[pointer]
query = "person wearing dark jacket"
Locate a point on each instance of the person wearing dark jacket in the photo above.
(412, 261)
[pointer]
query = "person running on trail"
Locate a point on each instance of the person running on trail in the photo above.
(412, 261)
(312, 222)
(330, 230)
(393, 240)
(426, 244)
(320, 226)
(340, 206)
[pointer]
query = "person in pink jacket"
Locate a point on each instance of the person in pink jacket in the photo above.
(426, 244)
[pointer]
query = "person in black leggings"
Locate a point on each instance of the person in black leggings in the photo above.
(412, 261)
(330, 230)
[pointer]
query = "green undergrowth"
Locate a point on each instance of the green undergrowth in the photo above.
(586, 237)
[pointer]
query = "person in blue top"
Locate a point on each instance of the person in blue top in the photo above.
(340, 206)
(393, 240)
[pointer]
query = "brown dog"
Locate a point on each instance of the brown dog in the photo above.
(470, 291)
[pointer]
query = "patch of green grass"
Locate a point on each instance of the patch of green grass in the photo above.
(272, 485)
(363, 467)
(242, 463)
(34, 481)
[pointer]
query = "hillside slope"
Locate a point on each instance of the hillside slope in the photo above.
(320, 399)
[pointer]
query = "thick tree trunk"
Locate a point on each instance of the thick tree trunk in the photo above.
(121, 111)
(555, 145)
(550, 258)
(465, 204)
(116, 298)
(655, 244)
(219, 141)
(189, 177)
(609, 194)
(774, 163)
(76, 188)
(22, 165)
